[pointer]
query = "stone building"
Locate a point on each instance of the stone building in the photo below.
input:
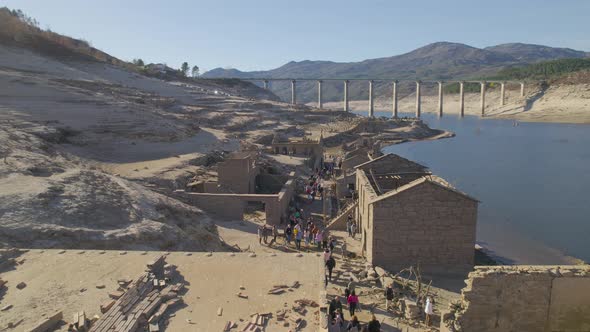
(238, 173)
(407, 216)
(236, 187)
(298, 146)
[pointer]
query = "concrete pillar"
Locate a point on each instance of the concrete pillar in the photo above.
(266, 84)
(418, 103)
(293, 92)
(371, 108)
(346, 96)
(483, 97)
(522, 89)
(440, 98)
(395, 99)
(502, 94)
(462, 98)
(320, 104)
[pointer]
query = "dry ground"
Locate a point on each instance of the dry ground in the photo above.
(68, 281)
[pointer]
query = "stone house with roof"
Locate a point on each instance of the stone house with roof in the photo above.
(409, 217)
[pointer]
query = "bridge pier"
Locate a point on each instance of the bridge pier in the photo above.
(418, 104)
(462, 98)
(293, 92)
(522, 89)
(320, 104)
(440, 98)
(483, 98)
(394, 99)
(346, 95)
(371, 94)
(502, 94)
(265, 84)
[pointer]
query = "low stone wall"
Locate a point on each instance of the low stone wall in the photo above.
(523, 298)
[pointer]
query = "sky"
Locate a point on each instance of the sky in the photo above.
(265, 34)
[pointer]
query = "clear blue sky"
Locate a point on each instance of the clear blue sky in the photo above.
(264, 34)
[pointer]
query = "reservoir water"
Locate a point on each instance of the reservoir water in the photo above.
(533, 181)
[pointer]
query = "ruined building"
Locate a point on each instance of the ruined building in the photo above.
(407, 216)
(236, 186)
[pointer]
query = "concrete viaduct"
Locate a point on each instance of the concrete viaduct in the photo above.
(395, 95)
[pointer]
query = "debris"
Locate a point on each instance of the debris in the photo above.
(229, 325)
(7, 307)
(209, 254)
(106, 306)
(243, 296)
(219, 311)
(252, 255)
(296, 284)
(242, 287)
(82, 290)
(100, 286)
(276, 291)
(61, 252)
(21, 285)
(116, 294)
(48, 323)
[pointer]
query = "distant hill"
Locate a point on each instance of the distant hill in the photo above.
(535, 53)
(545, 70)
(437, 61)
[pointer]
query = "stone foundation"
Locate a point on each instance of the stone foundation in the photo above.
(523, 298)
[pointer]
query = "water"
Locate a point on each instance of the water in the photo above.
(533, 181)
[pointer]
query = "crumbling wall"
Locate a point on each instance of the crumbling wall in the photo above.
(238, 175)
(523, 298)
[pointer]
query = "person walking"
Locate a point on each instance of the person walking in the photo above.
(318, 238)
(354, 323)
(330, 264)
(428, 310)
(349, 226)
(298, 236)
(374, 325)
(353, 301)
(288, 232)
(353, 229)
(334, 306)
(388, 296)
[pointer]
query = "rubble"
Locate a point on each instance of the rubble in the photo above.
(142, 304)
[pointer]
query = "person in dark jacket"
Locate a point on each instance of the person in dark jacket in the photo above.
(388, 296)
(334, 306)
(330, 265)
(374, 325)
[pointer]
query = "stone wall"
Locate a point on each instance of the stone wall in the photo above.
(427, 225)
(523, 298)
(364, 213)
(238, 175)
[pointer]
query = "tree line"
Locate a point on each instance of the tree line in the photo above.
(184, 70)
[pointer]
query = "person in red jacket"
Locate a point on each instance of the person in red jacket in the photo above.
(353, 301)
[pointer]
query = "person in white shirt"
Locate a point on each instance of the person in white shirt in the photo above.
(428, 310)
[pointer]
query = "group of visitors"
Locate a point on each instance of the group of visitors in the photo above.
(305, 230)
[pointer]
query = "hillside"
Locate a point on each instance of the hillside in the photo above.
(91, 149)
(443, 60)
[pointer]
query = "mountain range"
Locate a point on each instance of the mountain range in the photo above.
(437, 61)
